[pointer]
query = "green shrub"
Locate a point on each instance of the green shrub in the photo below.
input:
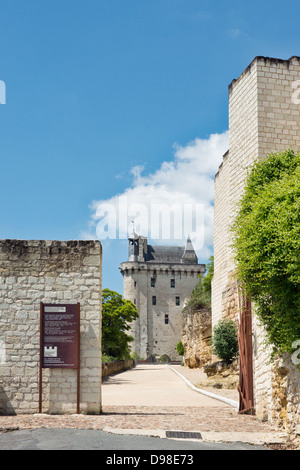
(106, 358)
(225, 341)
(136, 356)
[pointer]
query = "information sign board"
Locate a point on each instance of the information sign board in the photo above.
(59, 341)
(60, 336)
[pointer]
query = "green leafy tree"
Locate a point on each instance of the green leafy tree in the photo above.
(206, 281)
(267, 246)
(117, 314)
(180, 349)
(201, 294)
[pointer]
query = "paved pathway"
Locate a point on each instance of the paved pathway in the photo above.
(152, 385)
(150, 400)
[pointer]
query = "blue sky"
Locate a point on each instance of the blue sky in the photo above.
(121, 97)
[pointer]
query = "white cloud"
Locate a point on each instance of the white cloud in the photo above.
(184, 186)
(234, 33)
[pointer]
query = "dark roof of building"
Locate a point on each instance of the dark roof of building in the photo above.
(172, 254)
(189, 255)
(164, 254)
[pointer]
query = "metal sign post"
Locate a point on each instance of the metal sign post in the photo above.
(59, 341)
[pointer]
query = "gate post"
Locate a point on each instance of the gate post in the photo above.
(246, 393)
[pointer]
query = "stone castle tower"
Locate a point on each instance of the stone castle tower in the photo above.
(159, 281)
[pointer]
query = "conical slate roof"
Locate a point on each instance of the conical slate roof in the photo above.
(189, 255)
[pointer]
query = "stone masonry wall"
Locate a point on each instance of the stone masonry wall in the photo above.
(263, 118)
(221, 237)
(51, 272)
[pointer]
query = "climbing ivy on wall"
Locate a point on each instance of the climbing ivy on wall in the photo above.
(266, 245)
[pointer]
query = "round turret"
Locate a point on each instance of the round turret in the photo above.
(133, 250)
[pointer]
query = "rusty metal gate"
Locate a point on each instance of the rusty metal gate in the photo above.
(246, 396)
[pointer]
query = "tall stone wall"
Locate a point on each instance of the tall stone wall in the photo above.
(263, 118)
(221, 237)
(62, 272)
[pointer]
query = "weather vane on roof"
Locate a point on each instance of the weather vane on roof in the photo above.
(132, 221)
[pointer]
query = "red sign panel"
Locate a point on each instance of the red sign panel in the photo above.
(60, 336)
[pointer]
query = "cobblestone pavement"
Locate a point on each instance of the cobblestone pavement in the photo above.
(129, 417)
(212, 416)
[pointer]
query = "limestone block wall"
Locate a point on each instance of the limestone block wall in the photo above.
(263, 118)
(243, 135)
(221, 237)
(62, 272)
(262, 370)
(278, 113)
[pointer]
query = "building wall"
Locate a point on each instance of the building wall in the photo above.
(152, 335)
(135, 289)
(278, 114)
(262, 119)
(51, 272)
(221, 238)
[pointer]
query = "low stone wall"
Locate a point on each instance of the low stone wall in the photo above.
(109, 368)
(54, 272)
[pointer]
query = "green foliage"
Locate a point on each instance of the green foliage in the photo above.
(267, 246)
(180, 349)
(117, 314)
(136, 356)
(164, 358)
(201, 294)
(206, 282)
(225, 341)
(106, 358)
